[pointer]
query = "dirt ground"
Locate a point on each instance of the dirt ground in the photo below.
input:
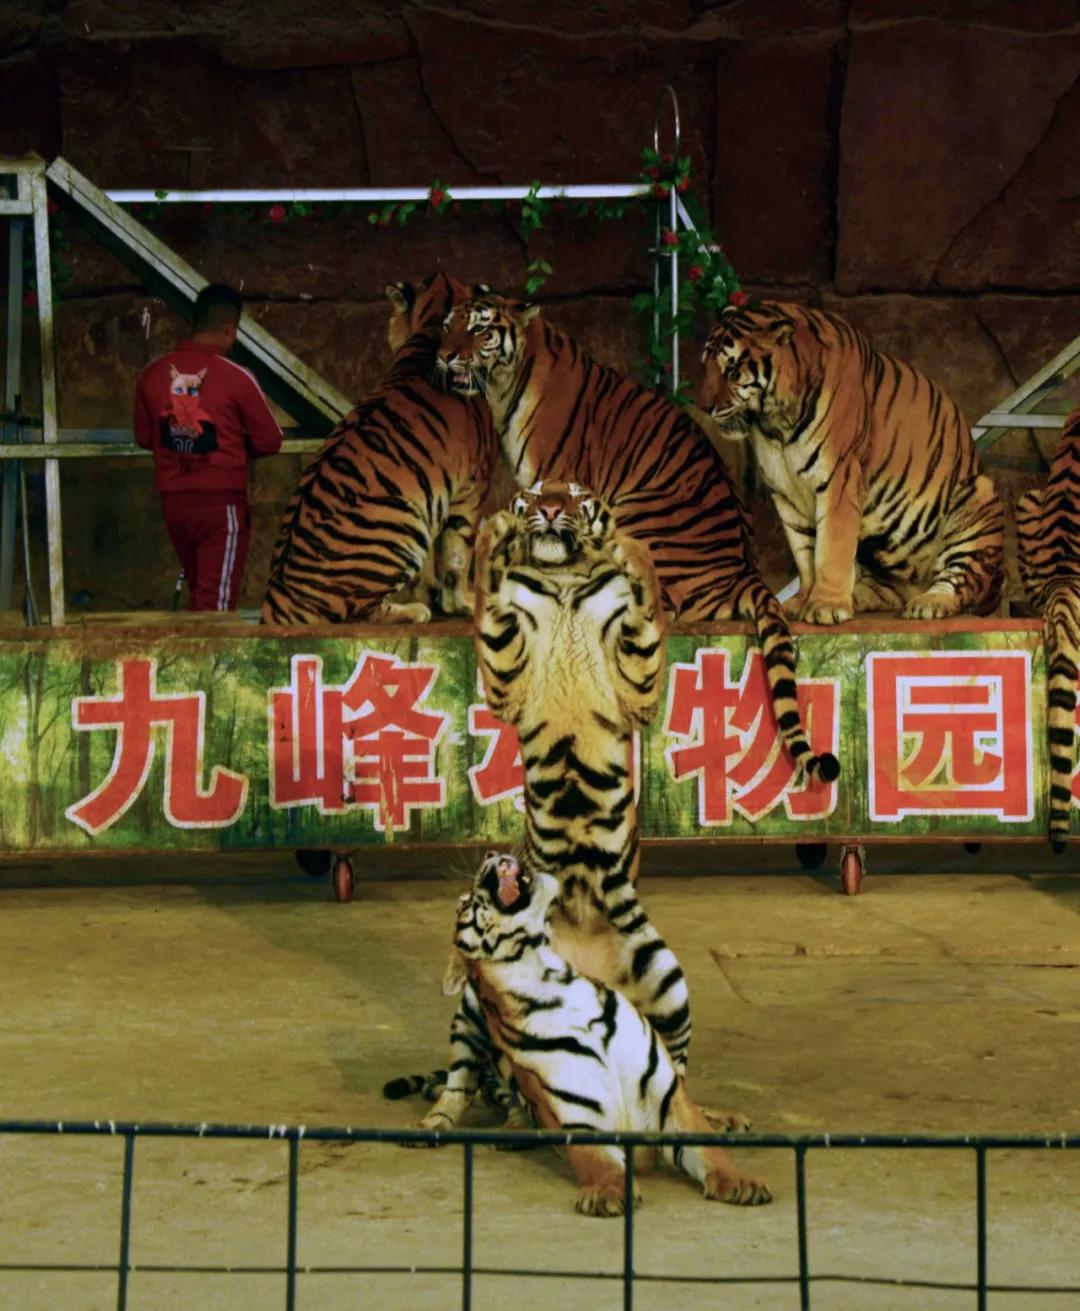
(944, 999)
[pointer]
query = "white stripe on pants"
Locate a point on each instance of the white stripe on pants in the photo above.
(232, 533)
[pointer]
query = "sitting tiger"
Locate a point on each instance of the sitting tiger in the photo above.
(394, 495)
(579, 1053)
(871, 466)
(560, 415)
(1048, 541)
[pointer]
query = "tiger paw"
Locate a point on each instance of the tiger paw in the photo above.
(727, 1121)
(502, 528)
(794, 605)
(413, 612)
(736, 1190)
(826, 612)
(454, 599)
(427, 1123)
(933, 604)
(604, 1200)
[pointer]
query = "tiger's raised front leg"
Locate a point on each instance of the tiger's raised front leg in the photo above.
(502, 637)
(967, 575)
(637, 643)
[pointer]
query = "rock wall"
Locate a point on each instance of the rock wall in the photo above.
(911, 164)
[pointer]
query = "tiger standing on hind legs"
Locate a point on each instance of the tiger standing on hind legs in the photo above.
(1048, 542)
(580, 1055)
(871, 466)
(570, 646)
(561, 415)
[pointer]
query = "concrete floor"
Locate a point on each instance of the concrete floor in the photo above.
(944, 999)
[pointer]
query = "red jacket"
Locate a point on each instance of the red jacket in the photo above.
(203, 417)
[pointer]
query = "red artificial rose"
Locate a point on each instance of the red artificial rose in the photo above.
(30, 299)
(737, 298)
(661, 193)
(653, 172)
(436, 196)
(277, 213)
(666, 160)
(669, 238)
(52, 206)
(682, 184)
(696, 272)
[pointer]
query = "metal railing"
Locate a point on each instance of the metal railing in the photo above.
(469, 1139)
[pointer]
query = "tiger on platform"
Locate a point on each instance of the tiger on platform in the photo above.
(871, 466)
(561, 415)
(394, 495)
(1048, 543)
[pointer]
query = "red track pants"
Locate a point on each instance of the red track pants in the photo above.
(211, 532)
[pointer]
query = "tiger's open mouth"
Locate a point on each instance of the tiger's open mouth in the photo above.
(464, 382)
(508, 885)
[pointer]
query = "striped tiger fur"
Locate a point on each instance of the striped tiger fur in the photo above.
(394, 495)
(1048, 541)
(570, 647)
(580, 1055)
(560, 415)
(871, 466)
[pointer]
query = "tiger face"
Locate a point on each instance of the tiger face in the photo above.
(482, 338)
(742, 359)
(560, 519)
(505, 906)
(417, 305)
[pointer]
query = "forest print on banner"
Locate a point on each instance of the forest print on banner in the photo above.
(230, 742)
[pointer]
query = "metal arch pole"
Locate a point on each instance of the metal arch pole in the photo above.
(12, 383)
(50, 435)
(673, 220)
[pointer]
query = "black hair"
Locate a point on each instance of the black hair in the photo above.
(215, 306)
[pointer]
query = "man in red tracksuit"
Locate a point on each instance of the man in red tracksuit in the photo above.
(204, 417)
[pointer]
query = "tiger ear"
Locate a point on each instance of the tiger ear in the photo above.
(528, 313)
(401, 295)
(454, 977)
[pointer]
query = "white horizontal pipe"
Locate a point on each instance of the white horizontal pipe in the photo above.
(998, 419)
(377, 195)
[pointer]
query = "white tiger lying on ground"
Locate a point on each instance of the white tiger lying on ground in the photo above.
(578, 1053)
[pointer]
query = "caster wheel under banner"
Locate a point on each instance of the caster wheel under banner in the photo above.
(343, 879)
(811, 855)
(851, 870)
(316, 863)
(973, 848)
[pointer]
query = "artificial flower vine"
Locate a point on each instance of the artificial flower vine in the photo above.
(707, 281)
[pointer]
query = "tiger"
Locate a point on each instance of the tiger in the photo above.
(1048, 544)
(570, 647)
(578, 1052)
(871, 466)
(394, 494)
(561, 415)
